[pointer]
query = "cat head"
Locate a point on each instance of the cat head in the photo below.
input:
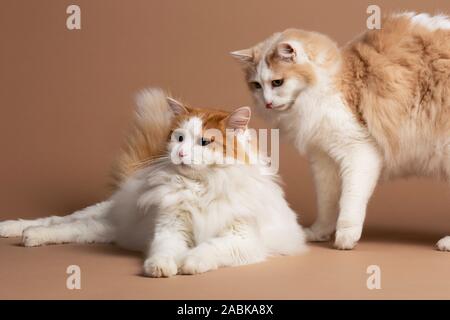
(279, 68)
(202, 138)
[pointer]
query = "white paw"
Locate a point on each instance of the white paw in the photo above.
(318, 233)
(194, 264)
(160, 266)
(444, 244)
(346, 238)
(34, 236)
(11, 228)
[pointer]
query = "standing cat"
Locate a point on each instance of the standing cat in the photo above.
(379, 106)
(177, 201)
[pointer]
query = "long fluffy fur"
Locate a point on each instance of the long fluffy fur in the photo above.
(378, 107)
(185, 219)
(147, 137)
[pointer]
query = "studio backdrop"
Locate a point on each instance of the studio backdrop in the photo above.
(66, 96)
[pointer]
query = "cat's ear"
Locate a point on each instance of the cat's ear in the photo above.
(244, 56)
(239, 118)
(177, 107)
(286, 51)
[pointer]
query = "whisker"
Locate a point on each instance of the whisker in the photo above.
(150, 161)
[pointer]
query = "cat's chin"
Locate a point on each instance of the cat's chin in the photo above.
(282, 107)
(190, 170)
(185, 167)
(198, 171)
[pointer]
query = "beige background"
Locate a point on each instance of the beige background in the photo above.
(66, 99)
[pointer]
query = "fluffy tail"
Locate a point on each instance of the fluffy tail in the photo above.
(148, 135)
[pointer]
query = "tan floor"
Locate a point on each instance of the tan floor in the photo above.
(410, 268)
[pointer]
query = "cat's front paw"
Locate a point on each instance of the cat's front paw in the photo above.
(160, 266)
(194, 264)
(347, 238)
(11, 228)
(318, 233)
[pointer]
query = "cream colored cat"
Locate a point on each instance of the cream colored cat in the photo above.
(379, 106)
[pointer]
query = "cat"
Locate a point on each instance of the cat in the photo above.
(177, 201)
(376, 109)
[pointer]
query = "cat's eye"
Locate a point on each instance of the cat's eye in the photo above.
(277, 83)
(255, 85)
(178, 136)
(204, 142)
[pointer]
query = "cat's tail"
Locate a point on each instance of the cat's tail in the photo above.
(147, 138)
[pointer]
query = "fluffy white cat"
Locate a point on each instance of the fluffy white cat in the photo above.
(186, 209)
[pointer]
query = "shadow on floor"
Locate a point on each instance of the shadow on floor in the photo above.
(393, 236)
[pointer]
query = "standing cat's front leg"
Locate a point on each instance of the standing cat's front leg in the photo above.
(238, 245)
(360, 166)
(328, 188)
(169, 244)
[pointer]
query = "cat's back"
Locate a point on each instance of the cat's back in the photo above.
(406, 61)
(397, 81)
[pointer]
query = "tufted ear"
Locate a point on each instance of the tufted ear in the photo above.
(245, 56)
(286, 51)
(177, 107)
(239, 118)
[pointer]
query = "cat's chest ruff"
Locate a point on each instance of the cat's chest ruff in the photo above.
(184, 194)
(205, 210)
(319, 121)
(180, 183)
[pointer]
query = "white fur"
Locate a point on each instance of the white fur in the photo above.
(225, 216)
(433, 23)
(322, 126)
(187, 218)
(40, 231)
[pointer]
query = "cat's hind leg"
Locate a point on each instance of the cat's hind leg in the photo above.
(444, 244)
(237, 246)
(15, 228)
(82, 230)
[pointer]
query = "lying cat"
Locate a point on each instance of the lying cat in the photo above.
(379, 106)
(177, 201)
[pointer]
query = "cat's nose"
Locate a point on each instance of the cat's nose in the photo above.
(269, 105)
(181, 154)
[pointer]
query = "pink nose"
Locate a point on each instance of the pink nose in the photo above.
(269, 105)
(181, 154)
